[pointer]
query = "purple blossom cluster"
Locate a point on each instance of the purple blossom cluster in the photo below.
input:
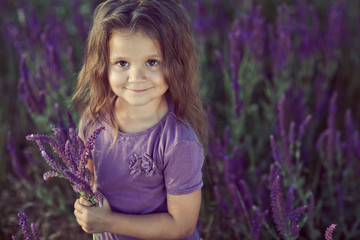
(329, 232)
(28, 234)
(286, 218)
(74, 155)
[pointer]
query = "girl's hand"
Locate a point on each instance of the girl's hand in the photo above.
(92, 219)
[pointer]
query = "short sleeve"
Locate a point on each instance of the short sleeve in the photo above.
(182, 168)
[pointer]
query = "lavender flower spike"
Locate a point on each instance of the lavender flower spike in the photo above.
(277, 205)
(256, 223)
(79, 183)
(28, 234)
(23, 222)
(329, 232)
(34, 232)
(275, 150)
(50, 174)
(87, 151)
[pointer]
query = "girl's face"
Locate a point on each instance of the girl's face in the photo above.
(135, 71)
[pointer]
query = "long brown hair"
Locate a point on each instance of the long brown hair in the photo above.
(163, 20)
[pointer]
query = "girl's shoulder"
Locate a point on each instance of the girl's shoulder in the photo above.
(87, 125)
(175, 131)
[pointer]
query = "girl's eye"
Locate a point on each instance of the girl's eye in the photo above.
(122, 64)
(152, 63)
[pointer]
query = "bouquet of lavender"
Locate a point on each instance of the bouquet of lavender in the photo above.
(74, 154)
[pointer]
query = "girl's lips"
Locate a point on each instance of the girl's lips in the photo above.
(138, 90)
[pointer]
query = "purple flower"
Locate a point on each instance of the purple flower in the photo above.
(285, 217)
(50, 159)
(70, 156)
(35, 232)
(246, 196)
(28, 234)
(80, 185)
(23, 222)
(99, 197)
(329, 232)
(89, 145)
(261, 192)
(256, 223)
(275, 151)
(50, 174)
(290, 199)
(277, 205)
(72, 151)
(303, 126)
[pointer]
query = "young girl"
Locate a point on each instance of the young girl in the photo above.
(139, 81)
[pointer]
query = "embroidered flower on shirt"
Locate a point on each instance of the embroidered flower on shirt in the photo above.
(141, 165)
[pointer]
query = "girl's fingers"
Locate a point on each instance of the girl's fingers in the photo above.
(75, 203)
(85, 202)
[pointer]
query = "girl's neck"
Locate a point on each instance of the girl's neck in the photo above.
(133, 119)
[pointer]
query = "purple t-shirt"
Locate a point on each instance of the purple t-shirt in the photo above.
(141, 168)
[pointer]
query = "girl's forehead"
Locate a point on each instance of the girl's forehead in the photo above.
(128, 34)
(132, 42)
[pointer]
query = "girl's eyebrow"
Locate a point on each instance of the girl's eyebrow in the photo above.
(118, 58)
(153, 56)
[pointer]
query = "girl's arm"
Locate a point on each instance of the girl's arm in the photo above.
(179, 222)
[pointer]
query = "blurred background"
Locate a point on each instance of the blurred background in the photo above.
(280, 82)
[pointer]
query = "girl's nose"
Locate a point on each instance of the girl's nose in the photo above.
(137, 75)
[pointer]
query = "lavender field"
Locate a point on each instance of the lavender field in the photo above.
(280, 81)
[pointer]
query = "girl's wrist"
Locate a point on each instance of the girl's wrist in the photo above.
(108, 222)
